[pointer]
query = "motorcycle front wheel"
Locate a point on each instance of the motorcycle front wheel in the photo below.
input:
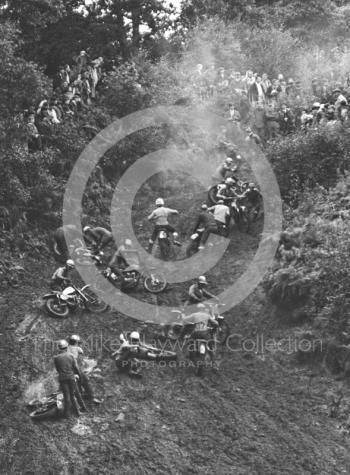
(94, 303)
(222, 333)
(56, 308)
(155, 283)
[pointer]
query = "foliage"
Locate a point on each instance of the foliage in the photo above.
(21, 82)
(270, 50)
(302, 161)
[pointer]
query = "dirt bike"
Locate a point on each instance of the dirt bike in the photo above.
(139, 352)
(239, 187)
(195, 240)
(200, 353)
(84, 256)
(239, 214)
(47, 407)
(62, 303)
(131, 277)
(165, 244)
(181, 329)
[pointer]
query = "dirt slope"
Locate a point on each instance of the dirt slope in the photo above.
(253, 415)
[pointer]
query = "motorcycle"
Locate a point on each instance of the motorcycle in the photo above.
(84, 256)
(239, 214)
(47, 407)
(240, 187)
(181, 329)
(62, 303)
(130, 279)
(201, 355)
(195, 240)
(165, 244)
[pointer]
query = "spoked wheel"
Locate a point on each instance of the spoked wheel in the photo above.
(94, 303)
(155, 283)
(56, 308)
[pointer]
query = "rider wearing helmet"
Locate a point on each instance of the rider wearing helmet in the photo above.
(204, 220)
(124, 257)
(75, 349)
(227, 191)
(197, 292)
(98, 237)
(130, 353)
(160, 217)
(60, 278)
(68, 371)
(226, 169)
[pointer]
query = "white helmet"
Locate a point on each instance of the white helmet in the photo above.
(70, 264)
(202, 280)
(86, 228)
(228, 160)
(128, 242)
(251, 185)
(63, 344)
(75, 339)
(159, 202)
(201, 305)
(220, 202)
(204, 206)
(135, 336)
(229, 181)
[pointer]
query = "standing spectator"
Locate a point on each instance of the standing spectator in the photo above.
(67, 369)
(221, 83)
(272, 121)
(210, 76)
(286, 120)
(265, 83)
(34, 138)
(81, 61)
(233, 114)
(85, 88)
(259, 121)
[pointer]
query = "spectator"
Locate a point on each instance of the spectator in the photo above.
(221, 82)
(286, 120)
(259, 121)
(272, 121)
(81, 61)
(34, 138)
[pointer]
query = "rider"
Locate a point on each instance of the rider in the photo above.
(197, 292)
(75, 349)
(204, 220)
(160, 216)
(60, 278)
(124, 257)
(59, 237)
(222, 216)
(253, 195)
(226, 169)
(68, 372)
(130, 353)
(98, 237)
(203, 327)
(227, 191)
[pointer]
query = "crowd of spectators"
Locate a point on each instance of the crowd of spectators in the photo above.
(74, 90)
(267, 108)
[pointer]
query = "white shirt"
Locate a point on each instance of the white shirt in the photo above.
(220, 213)
(160, 215)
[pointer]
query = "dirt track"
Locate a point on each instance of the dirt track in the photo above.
(253, 415)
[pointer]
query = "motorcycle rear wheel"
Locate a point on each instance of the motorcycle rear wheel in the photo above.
(56, 309)
(192, 248)
(155, 284)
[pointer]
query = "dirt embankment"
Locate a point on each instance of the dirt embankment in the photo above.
(252, 415)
